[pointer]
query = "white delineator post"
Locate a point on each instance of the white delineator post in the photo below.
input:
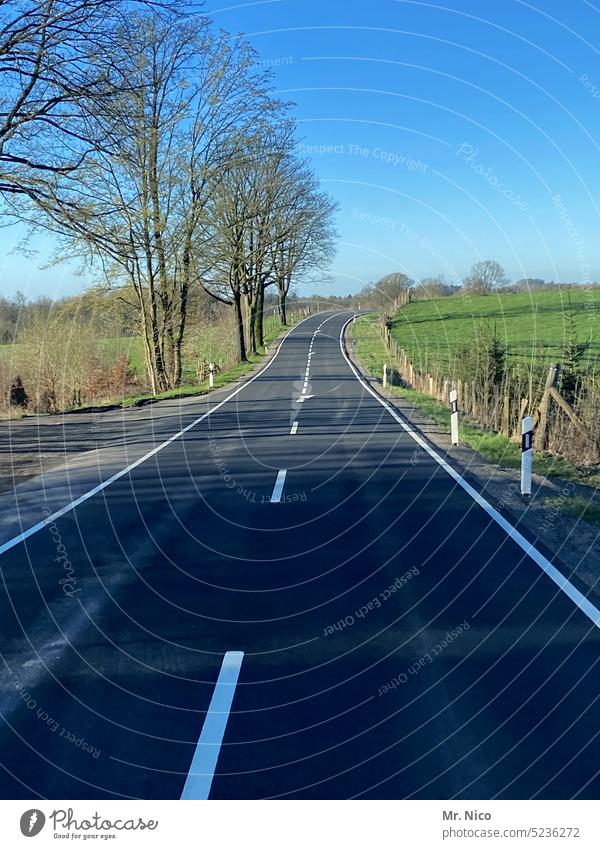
(211, 375)
(454, 416)
(384, 375)
(526, 454)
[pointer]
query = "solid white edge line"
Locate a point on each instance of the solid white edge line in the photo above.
(294, 429)
(11, 543)
(278, 488)
(553, 573)
(202, 769)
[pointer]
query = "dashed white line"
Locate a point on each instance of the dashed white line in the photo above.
(278, 488)
(16, 540)
(294, 429)
(202, 769)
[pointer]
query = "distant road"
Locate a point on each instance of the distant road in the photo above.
(291, 599)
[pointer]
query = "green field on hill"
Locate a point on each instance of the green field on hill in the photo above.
(532, 325)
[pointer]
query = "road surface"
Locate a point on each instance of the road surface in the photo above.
(293, 598)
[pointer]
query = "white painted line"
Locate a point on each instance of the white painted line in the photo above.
(553, 573)
(11, 543)
(294, 429)
(278, 488)
(202, 769)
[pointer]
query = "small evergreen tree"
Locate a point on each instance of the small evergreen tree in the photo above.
(573, 355)
(17, 395)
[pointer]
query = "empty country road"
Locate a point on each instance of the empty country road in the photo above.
(293, 598)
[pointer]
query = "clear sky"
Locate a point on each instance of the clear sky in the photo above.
(449, 131)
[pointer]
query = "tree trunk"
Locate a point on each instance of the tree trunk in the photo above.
(152, 346)
(260, 307)
(252, 329)
(239, 317)
(146, 336)
(282, 306)
(181, 322)
(150, 368)
(157, 349)
(251, 304)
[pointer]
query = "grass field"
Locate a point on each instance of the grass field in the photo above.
(532, 325)
(496, 449)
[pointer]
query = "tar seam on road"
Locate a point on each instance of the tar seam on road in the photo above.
(278, 488)
(202, 769)
(11, 543)
(553, 573)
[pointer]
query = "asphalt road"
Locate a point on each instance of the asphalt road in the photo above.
(397, 642)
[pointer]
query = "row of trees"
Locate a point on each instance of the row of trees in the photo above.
(392, 289)
(485, 277)
(155, 149)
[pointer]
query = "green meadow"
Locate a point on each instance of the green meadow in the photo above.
(533, 325)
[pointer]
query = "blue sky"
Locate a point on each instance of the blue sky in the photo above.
(448, 131)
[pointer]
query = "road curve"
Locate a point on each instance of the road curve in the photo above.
(292, 599)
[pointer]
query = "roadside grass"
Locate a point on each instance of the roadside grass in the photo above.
(130, 346)
(371, 351)
(577, 506)
(212, 344)
(532, 325)
(273, 328)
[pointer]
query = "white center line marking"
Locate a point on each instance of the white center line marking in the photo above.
(11, 543)
(278, 488)
(294, 429)
(202, 769)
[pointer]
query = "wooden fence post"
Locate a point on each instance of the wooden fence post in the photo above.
(541, 431)
(506, 416)
(516, 434)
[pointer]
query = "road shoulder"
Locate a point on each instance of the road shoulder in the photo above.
(545, 516)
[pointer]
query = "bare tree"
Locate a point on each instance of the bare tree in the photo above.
(432, 287)
(484, 277)
(248, 205)
(270, 223)
(305, 234)
(140, 206)
(50, 80)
